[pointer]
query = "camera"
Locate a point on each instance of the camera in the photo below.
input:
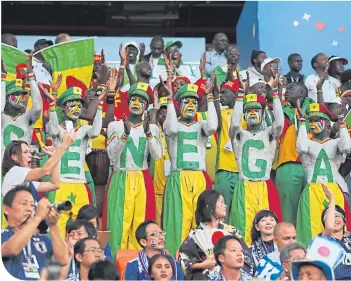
(63, 206)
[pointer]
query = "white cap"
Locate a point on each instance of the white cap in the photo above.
(269, 60)
(254, 81)
(133, 43)
(344, 61)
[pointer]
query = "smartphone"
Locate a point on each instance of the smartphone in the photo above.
(69, 126)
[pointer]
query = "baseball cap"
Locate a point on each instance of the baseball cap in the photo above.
(170, 43)
(133, 43)
(269, 60)
(344, 61)
(42, 42)
(254, 81)
(296, 265)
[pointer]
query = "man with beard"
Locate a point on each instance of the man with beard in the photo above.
(186, 141)
(217, 57)
(152, 239)
(254, 149)
(130, 194)
(16, 125)
(226, 168)
(295, 65)
(73, 181)
(156, 47)
(336, 68)
(290, 177)
(321, 158)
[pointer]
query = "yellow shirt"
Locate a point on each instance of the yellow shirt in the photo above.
(225, 158)
(159, 171)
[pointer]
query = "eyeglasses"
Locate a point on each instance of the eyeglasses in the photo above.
(94, 250)
(158, 234)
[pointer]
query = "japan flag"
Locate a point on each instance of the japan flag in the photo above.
(326, 249)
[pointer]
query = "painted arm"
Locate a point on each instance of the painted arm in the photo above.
(170, 125)
(154, 144)
(278, 123)
(210, 126)
(53, 124)
(37, 108)
(3, 92)
(236, 116)
(302, 138)
(95, 129)
(116, 141)
(344, 142)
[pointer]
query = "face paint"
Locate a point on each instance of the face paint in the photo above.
(253, 117)
(189, 107)
(17, 100)
(72, 109)
(317, 127)
(153, 244)
(137, 105)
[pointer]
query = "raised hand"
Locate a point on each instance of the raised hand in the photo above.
(55, 85)
(299, 110)
(146, 123)
(328, 193)
(247, 82)
(126, 125)
(49, 96)
(202, 65)
(103, 95)
(123, 55)
(209, 87)
(274, 79)
(3, 67)
(324, 77)
(142, 49)
(169, 62)
(103, 61)
(112, 79)
(169, 92)
(156, 103)
(30, 62)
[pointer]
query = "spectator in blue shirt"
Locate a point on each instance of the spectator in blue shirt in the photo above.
(152, 239)
(90, 213)
(217, 57)
(24, 252)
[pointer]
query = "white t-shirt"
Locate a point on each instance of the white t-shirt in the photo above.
(329, 88)
(41, 74)
(16, 176)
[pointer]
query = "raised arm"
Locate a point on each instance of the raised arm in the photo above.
(278, 114)
(344, 142)
(154, 144)
(302, 138)
(211, 125)
(53, 126)
(37, 108)
(237, 115)
(117, 138)
(329, 217)
(95, 129)
(170, 125)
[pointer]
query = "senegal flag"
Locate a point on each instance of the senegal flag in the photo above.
(15, 61)
(74, 60)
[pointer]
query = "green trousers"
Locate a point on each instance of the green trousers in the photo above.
(224, 184)
(290, 181)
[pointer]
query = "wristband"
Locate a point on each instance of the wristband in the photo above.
(275, 95)
(319, 91)
(148, 135)
(124, 137)
(216, 99)
(3, 76)
(111, 92)
(342, 124)
(274, 89)
(30, 75)
(240, 98)
(169, 71)
(53, 106)
(54, 93)
(110, 100)
(122, 67)
(210, 98)
(302, 120)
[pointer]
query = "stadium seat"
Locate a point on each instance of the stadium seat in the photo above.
(122, 258)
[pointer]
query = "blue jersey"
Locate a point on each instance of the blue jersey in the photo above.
(39, 249)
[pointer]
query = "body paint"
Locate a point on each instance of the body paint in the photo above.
(17, 99)
(317, 126)
(251, 113)
(139, 103)
(188, 104)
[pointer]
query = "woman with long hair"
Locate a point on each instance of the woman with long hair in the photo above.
(209, 215)
(162, 267)
(262, 234)
(16, 166)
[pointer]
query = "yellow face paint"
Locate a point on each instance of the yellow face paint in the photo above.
(189, 107)
(137, 105)
(252, 116)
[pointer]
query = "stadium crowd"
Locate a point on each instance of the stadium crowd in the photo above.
(234, 175)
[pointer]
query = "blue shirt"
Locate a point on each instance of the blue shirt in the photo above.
(212, 60)
(40, 250)
(108, 253)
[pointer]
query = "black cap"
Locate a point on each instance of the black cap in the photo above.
(42, 42)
